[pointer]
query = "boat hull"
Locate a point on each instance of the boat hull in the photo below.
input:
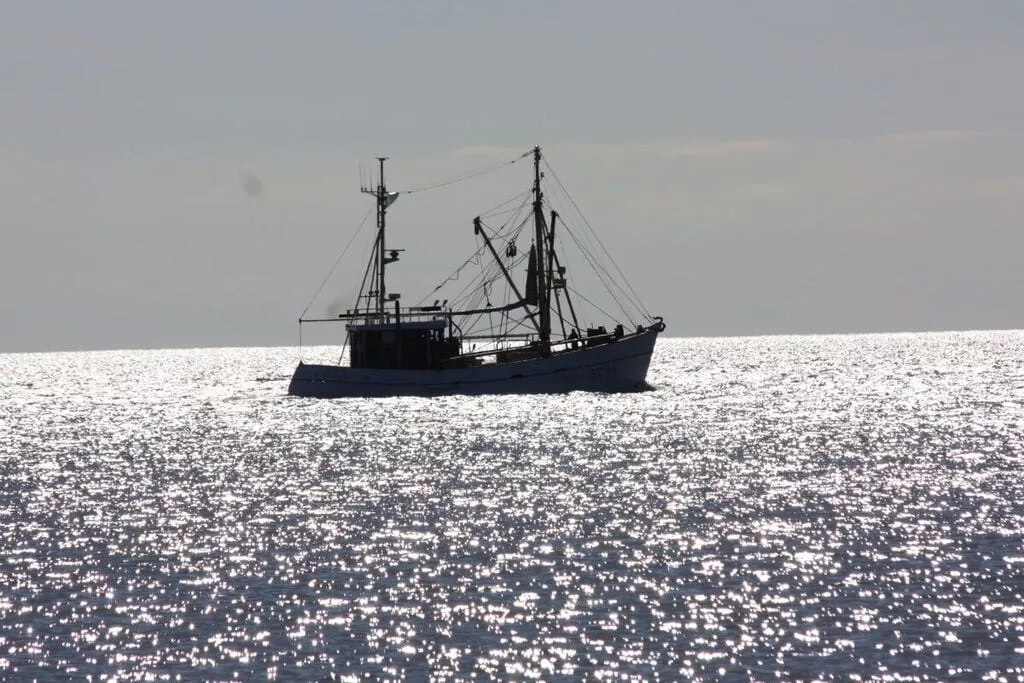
(613, 367)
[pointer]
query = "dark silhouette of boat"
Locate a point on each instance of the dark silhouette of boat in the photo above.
(534, 343)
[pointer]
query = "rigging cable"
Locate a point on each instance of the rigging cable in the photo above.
(600, 310)
(331, 271)
(359, 296)
(603, 276)
(498, 209)
(477, 255)
(475, 258)
(598, 268)
(607, 279)
(636, 299)
(467, 176)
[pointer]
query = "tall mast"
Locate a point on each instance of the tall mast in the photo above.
(544, 300)
(381, 193)
(382, 209)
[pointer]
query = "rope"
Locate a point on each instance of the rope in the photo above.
(636, 299)
(499, 208)
(331, 271)
(605, 277)
(601, 310)
(468, 176)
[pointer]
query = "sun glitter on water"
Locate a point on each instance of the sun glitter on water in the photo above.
(794, 507)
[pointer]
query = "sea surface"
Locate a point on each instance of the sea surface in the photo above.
(795, 508)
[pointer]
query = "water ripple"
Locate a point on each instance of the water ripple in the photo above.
(794, 507)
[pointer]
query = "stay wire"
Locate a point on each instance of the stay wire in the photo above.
(601, 310)
(604, 275)
(601, 277)
(605, 250)
(467, 176)
(336, 262)
(606, 279)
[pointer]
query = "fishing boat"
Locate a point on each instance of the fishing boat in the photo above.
(530, 341)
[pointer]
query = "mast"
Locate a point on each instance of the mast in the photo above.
(544, 300)
(382, 211)
(384, 200)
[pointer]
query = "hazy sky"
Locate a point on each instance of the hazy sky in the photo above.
(757, 167)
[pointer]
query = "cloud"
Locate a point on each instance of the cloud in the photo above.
(1000, 189)
(925, 138)
(724, 147)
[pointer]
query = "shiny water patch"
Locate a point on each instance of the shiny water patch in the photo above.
(791, 507)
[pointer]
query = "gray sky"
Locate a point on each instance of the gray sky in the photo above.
(757, 168)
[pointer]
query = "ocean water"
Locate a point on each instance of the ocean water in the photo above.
(795, 508)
